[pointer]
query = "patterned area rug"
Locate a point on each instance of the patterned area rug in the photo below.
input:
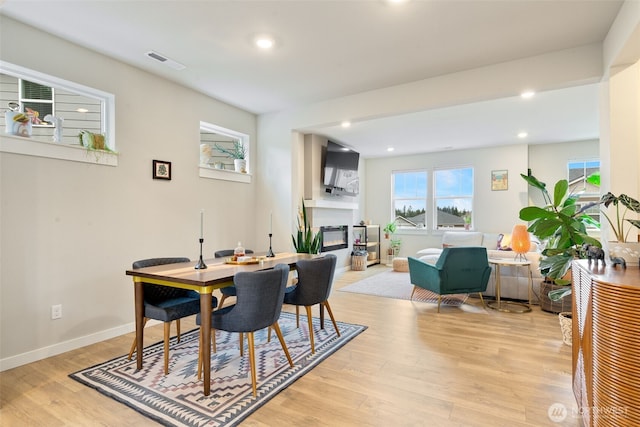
(394, 284)
(177, 399)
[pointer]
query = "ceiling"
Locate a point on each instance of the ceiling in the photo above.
(331, 49)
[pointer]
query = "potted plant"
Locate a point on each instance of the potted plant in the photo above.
(621, 247)
(389, 229)
(394, 247)
(305, 241)
(467, 221)
(94, 142)
(238, 152)
(561, 226)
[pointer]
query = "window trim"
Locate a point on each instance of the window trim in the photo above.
(34, 147)
(586, 197)
(403, 230)
(223, 174)
(436, 198)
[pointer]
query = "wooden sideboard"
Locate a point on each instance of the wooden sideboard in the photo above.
(606, 344)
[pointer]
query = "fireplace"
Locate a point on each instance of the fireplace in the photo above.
(334, 237)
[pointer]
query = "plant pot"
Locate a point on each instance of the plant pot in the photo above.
(566, 326)
(240, 165)
(553, 306)
(629, 251)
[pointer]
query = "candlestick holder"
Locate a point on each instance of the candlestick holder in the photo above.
(270, 253)
(201, 265)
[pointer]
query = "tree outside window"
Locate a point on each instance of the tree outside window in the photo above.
(453, 198)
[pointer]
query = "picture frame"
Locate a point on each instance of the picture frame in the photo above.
(161, 169)
(499, 180)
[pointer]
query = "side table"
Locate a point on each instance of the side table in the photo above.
(510, 306)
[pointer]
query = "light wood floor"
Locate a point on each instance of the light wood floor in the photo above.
(411, 367)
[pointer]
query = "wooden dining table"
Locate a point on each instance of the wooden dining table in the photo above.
(218, 274)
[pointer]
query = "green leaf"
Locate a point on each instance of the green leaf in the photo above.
(594, 179)
(558, 294)
(560, 191)
(533, 181)
(629, 203)
(530, 213)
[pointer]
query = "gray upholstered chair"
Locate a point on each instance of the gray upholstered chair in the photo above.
(459, 270)
(258, 305)
(228, 291)
(167, 304)
(315, 278)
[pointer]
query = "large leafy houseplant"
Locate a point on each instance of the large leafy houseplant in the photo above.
(618, 223)
(305, 241)
(562, 227)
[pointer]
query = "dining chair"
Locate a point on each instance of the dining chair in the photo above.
(228, 291)
(167, 304)
(315, 278)
(258, 305)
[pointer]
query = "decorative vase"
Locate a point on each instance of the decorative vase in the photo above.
(629, 251)
(240, 165)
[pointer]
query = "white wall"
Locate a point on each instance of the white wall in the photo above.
(548, 162)
(281, 141)
(494, 211)
(69, 230)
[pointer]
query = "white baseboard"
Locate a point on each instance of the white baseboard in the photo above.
(53, 350)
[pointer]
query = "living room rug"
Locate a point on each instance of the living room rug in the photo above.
(177, 399)
(395, 284)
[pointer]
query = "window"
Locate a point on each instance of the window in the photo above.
(453, 198)
(224, 153)
(37, 99)
(578, 172)
(76, 106)
(409, 198)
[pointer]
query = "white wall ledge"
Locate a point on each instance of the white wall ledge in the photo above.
(225, 175)
(52, 150)
(330, 204)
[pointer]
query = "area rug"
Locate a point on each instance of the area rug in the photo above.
(177, 399)
(395, 284)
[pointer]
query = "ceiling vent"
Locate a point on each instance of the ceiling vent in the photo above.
(166, 61)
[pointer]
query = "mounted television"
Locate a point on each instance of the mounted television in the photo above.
(341, 170)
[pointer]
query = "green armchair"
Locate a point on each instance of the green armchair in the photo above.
(459, 270)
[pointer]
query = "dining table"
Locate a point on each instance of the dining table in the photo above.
(218, 274)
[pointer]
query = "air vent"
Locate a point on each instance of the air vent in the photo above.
(166, 61)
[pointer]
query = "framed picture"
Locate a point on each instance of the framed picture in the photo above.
(499, 180)
(161, 169)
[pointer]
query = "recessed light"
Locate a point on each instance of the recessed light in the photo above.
(522, 135)
(390, 149)
(527, 94)
(345, 124)
(264, 42)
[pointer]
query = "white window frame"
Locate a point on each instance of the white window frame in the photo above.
(586, 197)
(400, 227)
(223, 174)
(23, 101)
(436, 197)
(33, 147)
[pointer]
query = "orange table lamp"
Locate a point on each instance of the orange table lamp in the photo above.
(520, 241)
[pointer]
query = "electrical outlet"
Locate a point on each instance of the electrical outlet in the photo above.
(56, 311)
